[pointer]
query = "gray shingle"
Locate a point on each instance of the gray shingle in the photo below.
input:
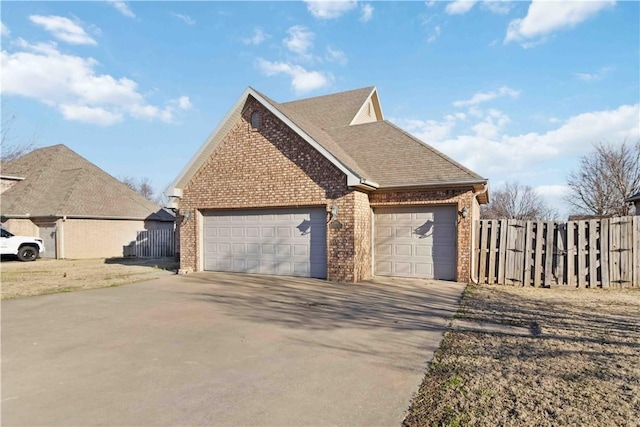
(60, 182)
(378, 151)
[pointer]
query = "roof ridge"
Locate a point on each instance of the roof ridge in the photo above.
(328, 95)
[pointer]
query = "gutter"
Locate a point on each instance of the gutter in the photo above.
(27, 216)
(439, 184)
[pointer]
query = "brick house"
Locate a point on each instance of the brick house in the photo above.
(79, 210)
(324, 187)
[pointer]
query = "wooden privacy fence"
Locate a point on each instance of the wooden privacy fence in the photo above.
(589, 253)
(153, 244)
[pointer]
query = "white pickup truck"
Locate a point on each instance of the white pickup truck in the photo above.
(25, 248)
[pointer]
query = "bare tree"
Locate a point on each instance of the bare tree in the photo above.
(604, 179)
(140, 185)
(516, 201)
(9, 149)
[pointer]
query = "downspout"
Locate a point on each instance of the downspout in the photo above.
(60, 236)
(473, 279)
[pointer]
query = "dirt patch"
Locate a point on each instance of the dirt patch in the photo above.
(46, 276)
(579, 365)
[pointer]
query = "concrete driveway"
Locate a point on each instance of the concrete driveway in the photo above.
(222, 349)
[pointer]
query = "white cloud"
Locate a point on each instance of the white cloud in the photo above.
(93, 115)
(63, 29)
(554, 190)
(544, 18)
(459, 7)
(336, 55)
(592, 77)
(428, 130)
(494, 122)
(71, 84)
(366, 13)
(300, 39)
(257, 38)
(497, 6)
(184, 103)
(5, 32)
(123, 8)
(302, 80)
(185, 18)
(330, 9)
(487, 96)
(151, 112)
(504, 153)
(434, 35)
(430, 3)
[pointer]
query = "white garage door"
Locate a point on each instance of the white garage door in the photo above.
(289, 242)
(416, 242)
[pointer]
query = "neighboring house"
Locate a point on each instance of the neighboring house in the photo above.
(635, 199)
(79, 210)
(324, 187)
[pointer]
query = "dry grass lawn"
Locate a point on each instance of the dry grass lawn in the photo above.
(578, 362)
(46, 276)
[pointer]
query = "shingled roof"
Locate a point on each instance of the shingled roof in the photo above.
(59, 182)
(372, 151)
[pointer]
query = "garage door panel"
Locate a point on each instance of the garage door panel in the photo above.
(284, 249)
(402, 268)
(424, 269)
(403, 250)
(383, 268)
(268, 232)
(287, 242)
(300, 269)
(417, 241)
(268, 249)
(300, 250)
(403, 232)
(423, 250)
(383, 249)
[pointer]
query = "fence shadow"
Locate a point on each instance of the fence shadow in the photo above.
(163, 263)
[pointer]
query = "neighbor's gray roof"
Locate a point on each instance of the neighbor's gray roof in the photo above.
(60, 182)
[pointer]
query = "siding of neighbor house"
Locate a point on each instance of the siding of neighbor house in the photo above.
(21, 227)
(85, 238)
(275, 167)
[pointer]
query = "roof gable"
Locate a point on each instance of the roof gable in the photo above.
(309, 131)
(349, 129)
(60, 182)
(338, 109)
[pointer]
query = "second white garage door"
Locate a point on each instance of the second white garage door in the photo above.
(290, 242)
(416, 242)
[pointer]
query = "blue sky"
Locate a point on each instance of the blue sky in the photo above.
(513, 90)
